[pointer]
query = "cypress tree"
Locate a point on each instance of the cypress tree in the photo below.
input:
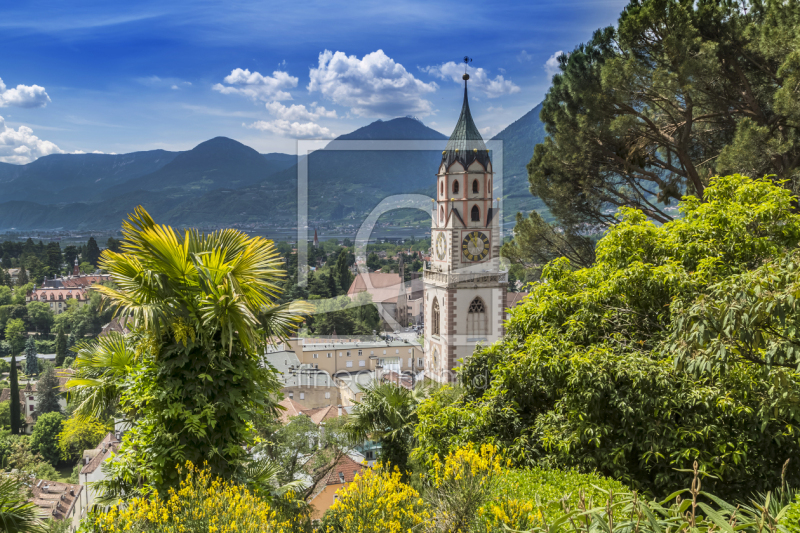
(333, 290)
(31, 361)
(15, 414)
(61, 347)
(343, 271)
(92, 251)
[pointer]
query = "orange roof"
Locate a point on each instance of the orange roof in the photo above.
(513, 299)
(382, 287)
(321, 414)
(292, 408)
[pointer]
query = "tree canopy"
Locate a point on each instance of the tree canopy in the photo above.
(659, 354)
(678, 91)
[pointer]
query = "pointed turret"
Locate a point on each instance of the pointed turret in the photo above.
(465, 144)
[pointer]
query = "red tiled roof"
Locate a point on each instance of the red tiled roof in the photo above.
(321, 414)
(59, 497)
(111, 445)
(84, 281)
(513, 299)
(292, 408)
(382, 287)
(345, 469)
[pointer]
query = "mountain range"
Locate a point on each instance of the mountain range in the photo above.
(224, 182)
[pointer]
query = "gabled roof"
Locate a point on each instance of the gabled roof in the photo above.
(58, 500)
(292, 409)
(466, 144)
(110, 444)
(321, 414)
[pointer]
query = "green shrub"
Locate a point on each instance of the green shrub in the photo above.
(554, 488)
(791, 520)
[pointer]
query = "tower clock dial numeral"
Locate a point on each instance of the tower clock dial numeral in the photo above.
(441, 246)
(475, 246)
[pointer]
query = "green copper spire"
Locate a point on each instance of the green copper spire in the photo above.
(465, 144)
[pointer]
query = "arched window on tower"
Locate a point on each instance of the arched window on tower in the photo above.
(455, 187)
(435, 317)
(441, 188)
(475, 214)
(475, 186)
(476, 319)
(441, 214)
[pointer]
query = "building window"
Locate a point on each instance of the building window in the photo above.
(409, 350)
(455, 187)
(475, 214)
(435, 317)
(360, 353)
(419, 362)
(476, 319)
(372, 352)
(362, 363)
(441, 188)
(368, 455)
(441, 214)
(329, 355)
(475, 186)
(397, 351)
(384, 352)
(302, 395)
(30, 398)
(435, 358)
(30, 408)
(349, 364)
(315, 356)
(327, 395)
(291, 395)
(348, 354)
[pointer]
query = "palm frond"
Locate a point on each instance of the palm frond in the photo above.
(17, 515)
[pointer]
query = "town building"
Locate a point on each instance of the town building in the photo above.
(28, 401)
(58, 501)
(325, 371)
(465, 291)
(58, 291)
(93, 460)
(337, 476)
(399, 303)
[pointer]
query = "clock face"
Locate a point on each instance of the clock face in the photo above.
(441, 246)
(475, 246)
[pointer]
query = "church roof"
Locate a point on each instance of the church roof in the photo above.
(466, 144)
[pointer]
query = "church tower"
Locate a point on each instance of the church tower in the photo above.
(464, 288)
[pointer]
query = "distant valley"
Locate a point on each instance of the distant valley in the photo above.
(223, 182)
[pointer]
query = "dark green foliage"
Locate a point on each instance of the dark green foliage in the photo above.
(61, 347)
(343, 275)
(31, 361)
(679, 91)
(22, 277)
(92, 252)
(44, 439)
(48, 391)
(591, 375)
(14, 390)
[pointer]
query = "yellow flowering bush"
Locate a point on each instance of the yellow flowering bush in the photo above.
(200, 504)
(376, 502)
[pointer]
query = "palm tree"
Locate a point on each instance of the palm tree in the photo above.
(191, 373)
(17, 515)
(102, 367)
(387, 412)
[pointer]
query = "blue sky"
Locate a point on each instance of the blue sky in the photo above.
(91, 75)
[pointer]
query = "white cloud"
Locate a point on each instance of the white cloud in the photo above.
(296, 130)
(524, 57)
(174, 87)
(21, 146)
(256, 86)
(486, 131)
(551, 65)
(299, 112)
(478, 79)
(375, 86)
(23, 96)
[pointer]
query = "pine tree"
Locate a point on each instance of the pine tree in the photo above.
(61, 347)
(47, 393)
(92, 251)
(31, 361)
(15, 411)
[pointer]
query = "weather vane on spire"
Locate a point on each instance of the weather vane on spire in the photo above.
(467, 61)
